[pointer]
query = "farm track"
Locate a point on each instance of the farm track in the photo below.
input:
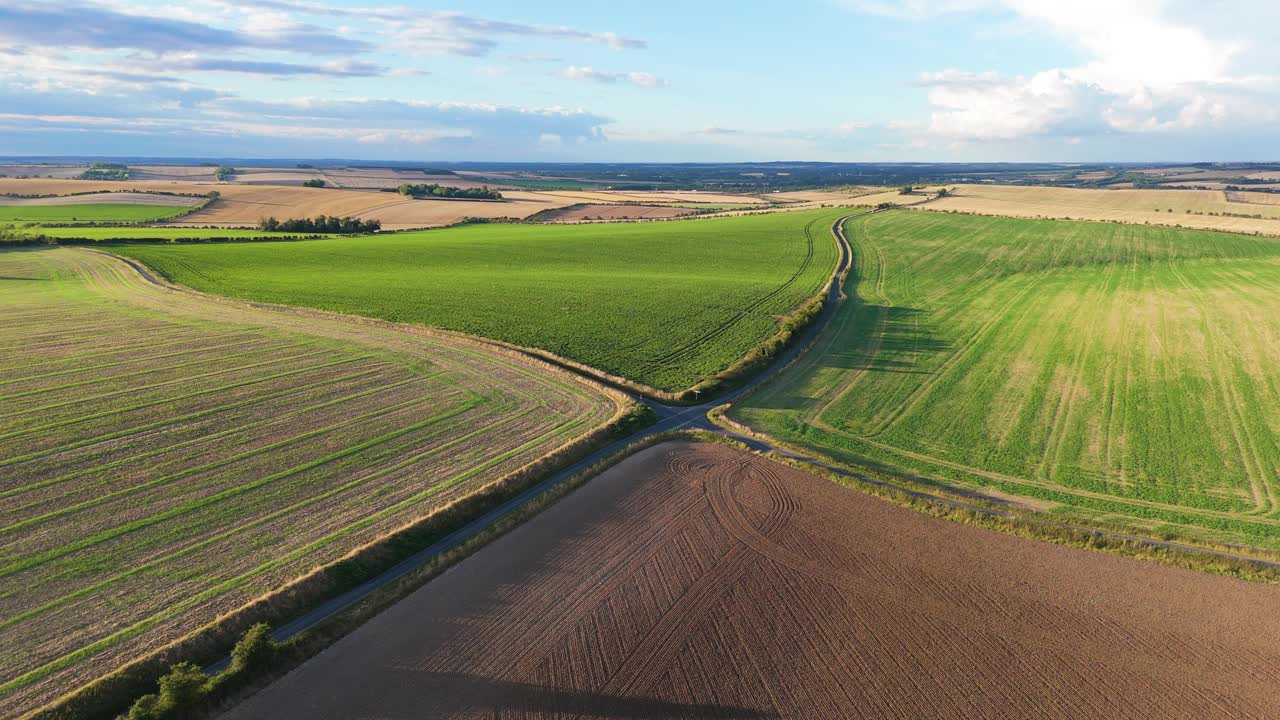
(694, 580)
(146, 493)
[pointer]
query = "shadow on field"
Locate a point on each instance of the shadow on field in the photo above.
(903, 339)
(456, 694)
(902, 342)
(10, 277)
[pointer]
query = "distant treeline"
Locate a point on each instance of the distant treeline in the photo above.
(105, 171)
(322, 224)
(448, 191)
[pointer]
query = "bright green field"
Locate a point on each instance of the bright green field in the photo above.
(155, 233)
(1109, 371)
(665, 304)
(93, 212)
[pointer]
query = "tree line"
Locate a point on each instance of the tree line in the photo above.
(448, 191)
(321, 224)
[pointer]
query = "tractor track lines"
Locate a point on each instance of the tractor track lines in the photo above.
(156, 486)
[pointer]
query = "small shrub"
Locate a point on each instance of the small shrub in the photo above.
(255, 650)
(183, 686)
(147, 707)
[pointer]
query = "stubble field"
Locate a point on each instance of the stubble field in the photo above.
(1117, 372)
(665, 304)
(697, 581)
(1209, 209)
(166, 458)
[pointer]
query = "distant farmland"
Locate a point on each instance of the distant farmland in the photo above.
(166, 458)
(1202, 209)
(154, 233)
(1114, 371)
(665, 304)
(105, 212)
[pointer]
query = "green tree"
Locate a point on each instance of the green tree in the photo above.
(254, 650)
(183, 686)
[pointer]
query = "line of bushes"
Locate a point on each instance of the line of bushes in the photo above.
(448, 191)
(330, 224)
(29, 196)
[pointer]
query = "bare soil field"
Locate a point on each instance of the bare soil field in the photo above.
(43, 171)
(115, 198)
(390, 178)
(167, 457)
(1202, 209)
(695, 580)
(173, 173)
(577, 213)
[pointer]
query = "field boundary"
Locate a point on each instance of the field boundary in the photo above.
(911, 492)
(1194, 552)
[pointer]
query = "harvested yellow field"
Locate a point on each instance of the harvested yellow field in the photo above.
(404, 214)
(893, 196)
(1185, 208)
(824, 196)
(653, 196)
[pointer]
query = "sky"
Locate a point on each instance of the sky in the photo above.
(689, 81)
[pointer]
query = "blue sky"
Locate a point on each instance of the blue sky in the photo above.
(840, 80)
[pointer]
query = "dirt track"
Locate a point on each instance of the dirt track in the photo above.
(698, 581)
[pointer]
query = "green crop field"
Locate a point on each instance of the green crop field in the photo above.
(1115, 372)
(167, 457)
(665, 304)
(155, 233)
(88, 212)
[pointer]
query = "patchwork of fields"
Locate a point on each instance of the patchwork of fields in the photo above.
(665, 304)
(1114, 371)
(165, 457)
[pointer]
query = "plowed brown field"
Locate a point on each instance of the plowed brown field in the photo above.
(694, 580)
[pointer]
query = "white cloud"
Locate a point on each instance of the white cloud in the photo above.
(643, 79)
(1150, 66)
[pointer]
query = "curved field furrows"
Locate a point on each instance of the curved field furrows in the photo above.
(1113, 371)
(694, 581)
(692, 346)
(166, 457)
